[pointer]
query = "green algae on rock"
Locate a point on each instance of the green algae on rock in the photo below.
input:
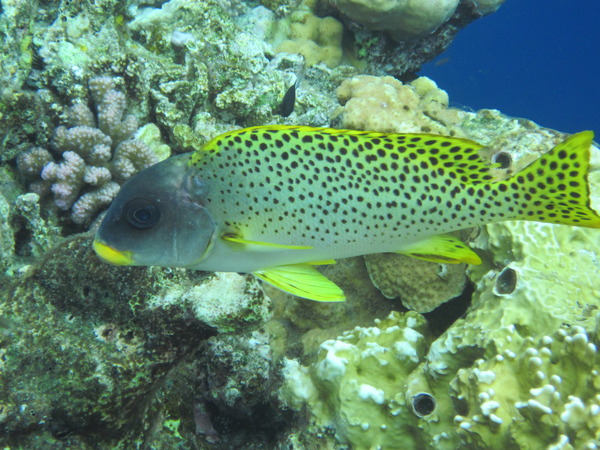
(86, 355)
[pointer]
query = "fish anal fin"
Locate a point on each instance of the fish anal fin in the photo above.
(445, 249)
(302, 280)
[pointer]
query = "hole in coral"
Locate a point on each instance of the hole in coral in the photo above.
(423, 404)
(127, 337)
(107, 332)
(506, 282)
(23, 242)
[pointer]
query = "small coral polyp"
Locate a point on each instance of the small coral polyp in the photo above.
(98, 154)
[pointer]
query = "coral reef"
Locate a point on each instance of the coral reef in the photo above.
(219, 301)
(99, 356)
(385, 104)
(319, 40)
(250, 368)
(7, 240)
(536, 392)
(402, 19)
(396, 37)
(96, 158)
(531, 326)
(86, 353)
(358, 383)
(421, 286)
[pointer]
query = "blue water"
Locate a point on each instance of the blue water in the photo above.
(538, 59)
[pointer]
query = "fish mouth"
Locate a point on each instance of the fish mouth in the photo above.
(112, 256)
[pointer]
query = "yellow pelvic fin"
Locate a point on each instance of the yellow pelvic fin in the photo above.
(441, 249)
(302, 280)
(261, 246)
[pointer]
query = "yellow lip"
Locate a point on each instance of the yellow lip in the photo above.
(111, 255)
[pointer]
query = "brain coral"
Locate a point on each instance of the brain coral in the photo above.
(422, 286)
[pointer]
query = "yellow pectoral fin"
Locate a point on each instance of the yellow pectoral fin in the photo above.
(302, 280)
(259, 245)
(324, 262)
(441, 249)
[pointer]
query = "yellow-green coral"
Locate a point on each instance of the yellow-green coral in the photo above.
(535, 393)
(385, 104)
(319, 40)
(358, 384)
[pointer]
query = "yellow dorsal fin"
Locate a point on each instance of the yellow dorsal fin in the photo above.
(259, 245)
(302, 280)
(441, 249)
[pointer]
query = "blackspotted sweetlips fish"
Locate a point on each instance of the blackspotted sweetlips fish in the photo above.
(276, 200)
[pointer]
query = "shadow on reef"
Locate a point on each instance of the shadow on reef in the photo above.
(442, 318)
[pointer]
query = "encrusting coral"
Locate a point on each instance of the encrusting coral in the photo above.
(421, 286)
(400, 18)
(405, 19)
(96, 157)
(536, 392)
(386, 105)
(358, 383)
(318, 39)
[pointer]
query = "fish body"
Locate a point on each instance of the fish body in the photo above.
(277, 200)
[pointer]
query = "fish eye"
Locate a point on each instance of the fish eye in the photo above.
(141, 213)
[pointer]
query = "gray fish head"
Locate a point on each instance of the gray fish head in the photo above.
(158, 219)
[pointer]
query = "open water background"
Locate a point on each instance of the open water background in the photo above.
(538, 59)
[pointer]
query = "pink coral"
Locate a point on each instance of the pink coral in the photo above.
(96, 157)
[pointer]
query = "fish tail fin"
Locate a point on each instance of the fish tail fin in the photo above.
(555, 188)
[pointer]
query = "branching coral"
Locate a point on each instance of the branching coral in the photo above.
(96, 157)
